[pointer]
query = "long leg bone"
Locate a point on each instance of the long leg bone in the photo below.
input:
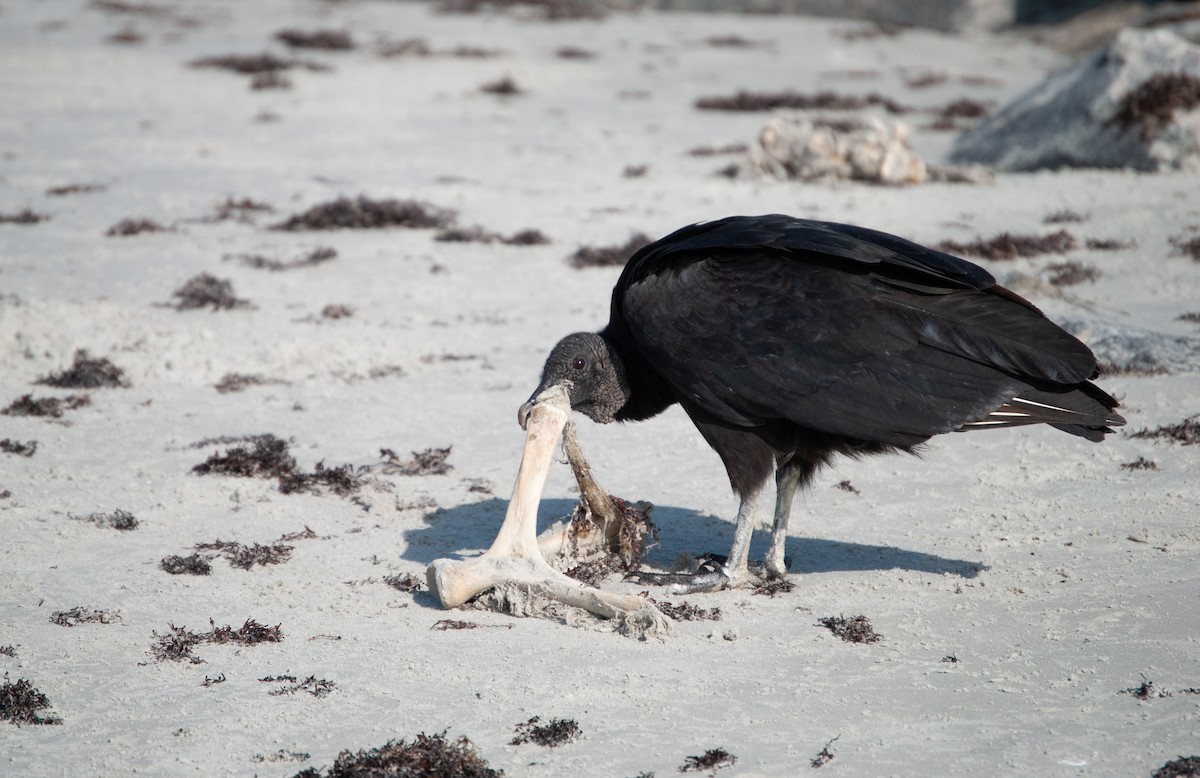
(515, 555)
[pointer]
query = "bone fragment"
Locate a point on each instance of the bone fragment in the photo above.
(515, 556)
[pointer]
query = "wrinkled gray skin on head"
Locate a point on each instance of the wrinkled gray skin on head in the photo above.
(593, 373)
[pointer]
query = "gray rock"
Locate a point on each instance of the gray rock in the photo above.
(1109, 111)
(946, 15)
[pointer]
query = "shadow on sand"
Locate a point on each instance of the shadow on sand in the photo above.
(467, 530)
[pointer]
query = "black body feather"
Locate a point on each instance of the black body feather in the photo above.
(789, 341)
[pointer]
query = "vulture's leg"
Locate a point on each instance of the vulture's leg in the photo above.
(716, 573)
(788, 478)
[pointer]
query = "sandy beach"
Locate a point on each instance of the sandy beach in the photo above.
(1035, 594)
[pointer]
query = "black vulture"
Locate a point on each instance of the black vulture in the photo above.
(789, 341)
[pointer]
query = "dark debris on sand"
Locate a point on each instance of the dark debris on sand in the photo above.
(364, 213)
(24, 216)
(1188, 247)
(745, 100)
(405, 582)
(431, 461)
(240, 209)
(239, 382)
(204, 291)
(712, 759)
(853, 630)
(127, 227)
(20, 703)
(1007, 245)
(329, 40)
(686, 611)
(194, 564)
(1181, 767)
(269, 458)
(81, 615)
(528, 237)
(254, 64)
(71, 189)
(118, 520)
(246, 557)
(428, 756)
(543, 10)
(317, 256)
(18, 448)
(609, 256)
(87, 373)
(312, 685)
(53, 407)
(773, 586)
(1186, 432)
(341, 480)
(554, 733)
(1071, 273)
(178, 644)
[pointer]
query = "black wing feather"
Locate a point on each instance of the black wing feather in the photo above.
(836, 328)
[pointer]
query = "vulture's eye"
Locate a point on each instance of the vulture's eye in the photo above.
(578, 363)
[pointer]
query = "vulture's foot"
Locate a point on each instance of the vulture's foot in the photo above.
(712, 575)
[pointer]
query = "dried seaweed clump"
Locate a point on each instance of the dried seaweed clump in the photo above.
(24, 216)
(745, 100)
(269, 458)
(1007, 246)
(1152, 105)
(1182, 767)
(239, 382)
(87, 373)
(773, 586)
(554, 733)
(70, 189)
(239, 209)
(712, 759)
(20, 703)
(363, 213)
(431, 461)
(824, 756)
(1186, 432)
(206, 290)
(317, 256)
(193, 564)
(405, 582)
(1071, 273)
(254, 64)
(54, 407)
(687, 612)
(127, 227)
(246, 557)
(855, 630)
(178, 643)
(1188, 247)
(118, 519)
(428, 756)
(503, 86)
(341, 480)
(312, 685)
(330, 40)
(545, 10)
(26, 449)
(609, 256)
(529, 237)
(80, 615)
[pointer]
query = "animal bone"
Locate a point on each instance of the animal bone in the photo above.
(515, 555)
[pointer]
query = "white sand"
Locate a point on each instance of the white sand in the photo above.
(1011, 551)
